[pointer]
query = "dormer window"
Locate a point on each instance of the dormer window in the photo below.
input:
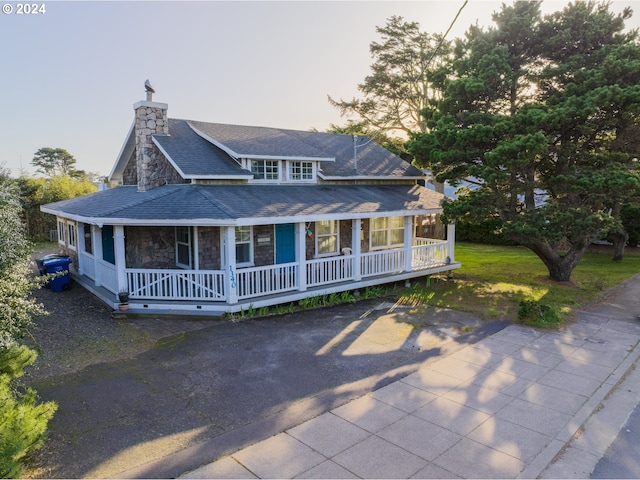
(265, 169)
(300, 170)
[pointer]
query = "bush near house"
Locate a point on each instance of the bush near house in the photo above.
(23, 422)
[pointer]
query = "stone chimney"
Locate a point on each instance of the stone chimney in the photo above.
(151, 119)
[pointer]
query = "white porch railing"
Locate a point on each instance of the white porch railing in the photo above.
(87, 262)
(429, 254)
(382, 262)
(107, 276)
(173, 284)
(176, 284)
(323, 271)
(267, 280)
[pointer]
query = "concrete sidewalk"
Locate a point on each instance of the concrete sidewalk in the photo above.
(520, 403)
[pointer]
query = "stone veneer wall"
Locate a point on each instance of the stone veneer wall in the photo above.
(152, 168)
(209, 248)
(264, 254)
(150, 247)
(345, 235)
(130, 173)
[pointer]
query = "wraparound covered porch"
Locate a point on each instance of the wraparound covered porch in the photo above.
(235, 288)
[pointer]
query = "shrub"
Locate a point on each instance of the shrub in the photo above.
(23, 422)
(536, 314)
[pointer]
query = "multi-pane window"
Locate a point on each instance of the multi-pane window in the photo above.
(387, 232)
(300, 171)
(243, 245)
(61, 236)
(183, 247)
(72, 237)
(327, 237)
(265, 169)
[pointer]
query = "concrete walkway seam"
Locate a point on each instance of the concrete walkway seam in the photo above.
(556, 450)
(579, 456)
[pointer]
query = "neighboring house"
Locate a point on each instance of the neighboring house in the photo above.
(214, 218)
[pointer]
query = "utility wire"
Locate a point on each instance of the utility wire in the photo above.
(455, 19)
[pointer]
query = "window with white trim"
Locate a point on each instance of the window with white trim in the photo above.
(265, 169)
(72, 237)
(61, 233)
(387, 232)
(300, 171)
(244, 245)
(88, 240)
(327, 237)
(183, 247)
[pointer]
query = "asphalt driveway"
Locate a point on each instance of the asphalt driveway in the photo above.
(201, 393)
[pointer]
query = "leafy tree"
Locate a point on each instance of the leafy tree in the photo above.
(39, 191)
(400, 86)
(55, 161)
(23, 422)
(531, 112)
(16, 283)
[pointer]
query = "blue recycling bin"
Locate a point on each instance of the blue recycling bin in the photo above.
(60, 265)
(40, 261)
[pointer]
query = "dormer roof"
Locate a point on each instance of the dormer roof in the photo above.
(202, 150)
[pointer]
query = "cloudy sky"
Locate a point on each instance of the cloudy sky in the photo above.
(70, 76)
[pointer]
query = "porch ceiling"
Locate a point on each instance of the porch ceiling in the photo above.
(245, 204)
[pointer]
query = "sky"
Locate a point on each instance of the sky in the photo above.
(69, 76)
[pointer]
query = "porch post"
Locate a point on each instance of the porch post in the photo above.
(451, 240)
(196, 249)
(231, 275)
(118, 243)
(408, 243)
(81, 247)
(96, 241)
(301, 255)
(356, 247)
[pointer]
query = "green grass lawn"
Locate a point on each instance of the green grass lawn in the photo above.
(494, 280)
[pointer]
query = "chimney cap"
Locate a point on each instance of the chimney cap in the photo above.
(149, 89)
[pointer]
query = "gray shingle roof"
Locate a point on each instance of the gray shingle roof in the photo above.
(225, 204)
(193, 155)
(248, 142)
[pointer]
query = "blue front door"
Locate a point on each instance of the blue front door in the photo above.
(285, 243)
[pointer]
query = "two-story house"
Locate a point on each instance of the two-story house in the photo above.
(213, 218)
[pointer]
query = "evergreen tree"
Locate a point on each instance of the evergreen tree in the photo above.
(23, 422)
(533, 112)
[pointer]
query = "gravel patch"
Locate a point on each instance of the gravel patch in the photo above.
(81, 331)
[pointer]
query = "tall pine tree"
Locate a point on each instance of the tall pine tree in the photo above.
(532, 111)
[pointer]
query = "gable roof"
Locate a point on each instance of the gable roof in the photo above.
(211, 150)
(189, 204)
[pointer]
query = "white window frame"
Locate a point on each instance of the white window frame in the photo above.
(61, 232)
(301, 164)
(335, 233)
(266, 163)
(388, 229)
(188, 244)
(251, 262)
(72, 235)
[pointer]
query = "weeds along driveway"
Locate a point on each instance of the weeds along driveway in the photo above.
(233, 381)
